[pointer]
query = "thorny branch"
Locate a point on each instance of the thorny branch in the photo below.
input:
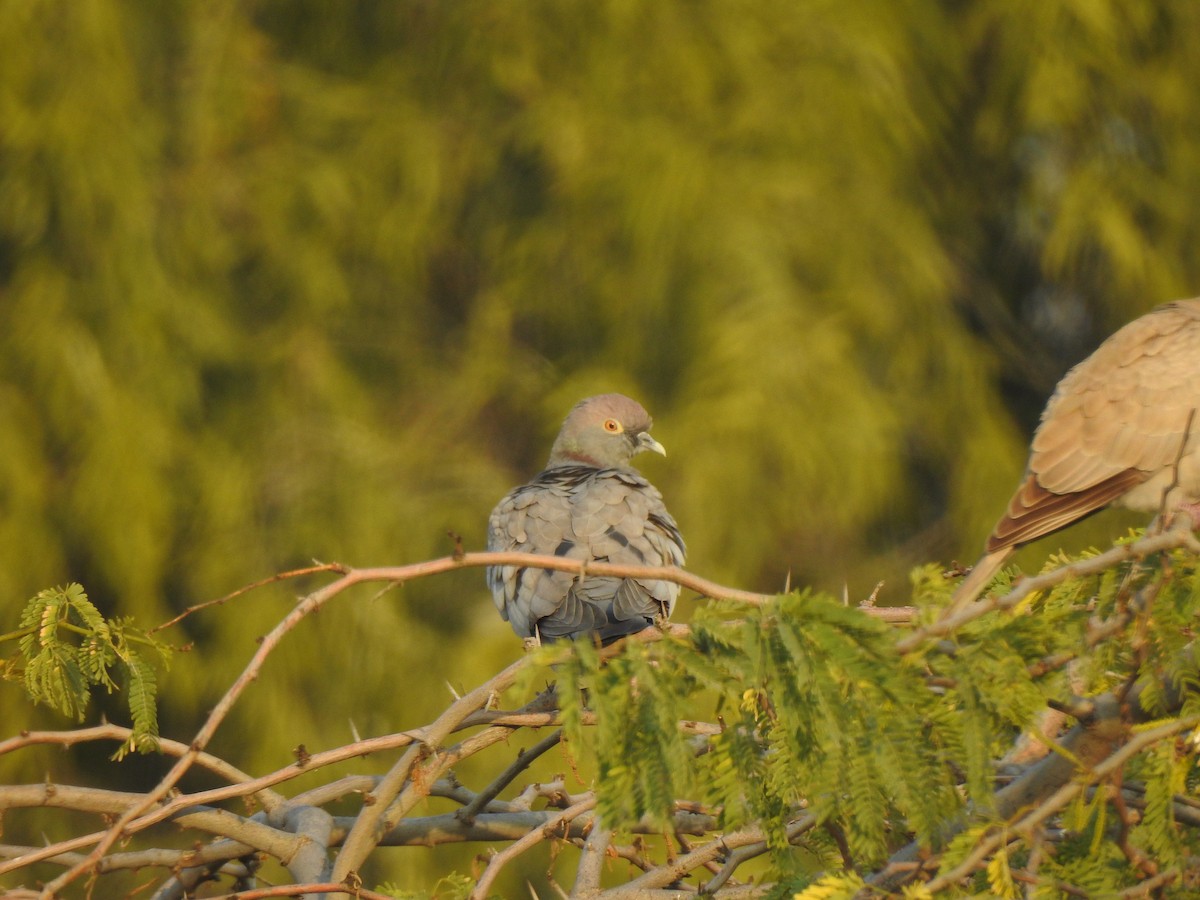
(423, 769)
(1179, 535)
(361, 842)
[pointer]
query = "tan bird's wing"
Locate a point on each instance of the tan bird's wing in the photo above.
(1116, 420)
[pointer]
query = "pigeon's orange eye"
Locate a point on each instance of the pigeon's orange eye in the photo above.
(613, 426)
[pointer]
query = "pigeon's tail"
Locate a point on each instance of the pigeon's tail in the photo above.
(617, 630)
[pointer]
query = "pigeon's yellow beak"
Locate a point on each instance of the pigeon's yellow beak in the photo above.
(645, 442)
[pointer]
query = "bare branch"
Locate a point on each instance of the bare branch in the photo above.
(297, 890)
(1060, 798)
(308, 605)
(1179, 535)
(591, 863)
(214, 764)
(378, 819)
(1092, 751)
(313, 828)
(717, 849)
(680, 576)
(281, 576)
(516, 848)
(424, 831)
(478, 559)
(519, 765)
(301, 834)
(352, 854)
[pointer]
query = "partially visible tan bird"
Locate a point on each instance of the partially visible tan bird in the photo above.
(1123, 428)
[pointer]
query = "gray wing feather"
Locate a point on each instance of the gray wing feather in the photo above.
(583, 513)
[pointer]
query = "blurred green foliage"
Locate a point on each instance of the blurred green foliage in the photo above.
(283, 281)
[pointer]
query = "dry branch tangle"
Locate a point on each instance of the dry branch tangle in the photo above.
(242, 835)
(289, 828)
(499, 820)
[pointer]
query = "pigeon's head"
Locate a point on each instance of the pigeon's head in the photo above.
(604, 431)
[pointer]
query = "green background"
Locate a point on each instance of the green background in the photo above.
(290, 281)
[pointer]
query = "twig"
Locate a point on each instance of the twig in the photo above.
(675, 574)
(313, 827)
(308, 605)
(1059, 799)
(445, 828)
(259, 785)
(391, 805)
(268, 798)
(740, 855)
(516, 848)
(1150, 885)
(281, 576)
(242, 836)
(632, 854)
(376, 819)
(423, 831)
(1176, 467)
(1033, 881)
(591, 862)
(424, 777)
(1179, 535)
(715, 849)
(415, 775)
(524, 759)
(296, 890)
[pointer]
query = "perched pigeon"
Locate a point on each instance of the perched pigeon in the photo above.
(1123, 427)
(587, 504)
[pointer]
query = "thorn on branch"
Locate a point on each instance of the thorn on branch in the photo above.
(459, 551)
(872, 598)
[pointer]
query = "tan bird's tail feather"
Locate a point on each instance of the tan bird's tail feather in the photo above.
(980, 576)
